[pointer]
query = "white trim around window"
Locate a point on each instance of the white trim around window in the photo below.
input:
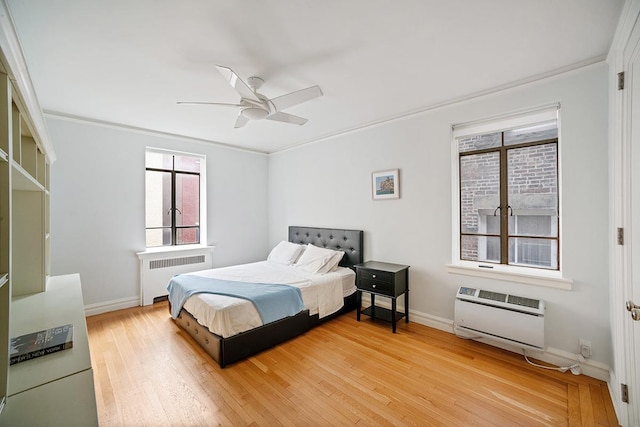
(510, 273)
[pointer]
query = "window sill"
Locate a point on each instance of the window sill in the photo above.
(528, 276)
(161, 251)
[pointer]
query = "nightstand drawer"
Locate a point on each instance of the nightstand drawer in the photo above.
(376, 286)
(377, 275)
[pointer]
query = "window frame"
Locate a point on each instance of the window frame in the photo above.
(504, 209)
(201, 227)
(512, 273)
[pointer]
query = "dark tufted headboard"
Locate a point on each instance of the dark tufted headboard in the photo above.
(349, 241)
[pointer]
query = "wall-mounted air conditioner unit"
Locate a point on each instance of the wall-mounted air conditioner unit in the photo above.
(510, 319)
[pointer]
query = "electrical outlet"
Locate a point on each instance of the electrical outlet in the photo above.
(585, 348)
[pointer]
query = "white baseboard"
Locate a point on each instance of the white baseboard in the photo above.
(429, 320)
(589, 367)
(551, 355)
(104, 307)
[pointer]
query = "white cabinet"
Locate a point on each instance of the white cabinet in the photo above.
(56, 389)
(67, 402)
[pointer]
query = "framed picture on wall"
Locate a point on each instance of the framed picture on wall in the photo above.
(385, 184)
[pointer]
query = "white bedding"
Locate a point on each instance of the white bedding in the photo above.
(322, 294)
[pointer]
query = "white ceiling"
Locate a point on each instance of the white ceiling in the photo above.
(129, 61)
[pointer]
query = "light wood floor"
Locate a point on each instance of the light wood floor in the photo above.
(149, 372)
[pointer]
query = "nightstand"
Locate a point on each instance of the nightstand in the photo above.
(387, 280)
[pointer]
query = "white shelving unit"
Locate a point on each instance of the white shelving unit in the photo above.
(56, 389)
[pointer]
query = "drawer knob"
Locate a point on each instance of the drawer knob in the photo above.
(374, 276)
(374, 286)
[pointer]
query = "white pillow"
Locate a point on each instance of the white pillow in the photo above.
(285, 253)
(318, 260)
(332, 264)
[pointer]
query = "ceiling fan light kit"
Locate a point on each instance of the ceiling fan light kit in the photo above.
(255, 106)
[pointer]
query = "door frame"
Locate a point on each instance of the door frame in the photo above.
(623, 371)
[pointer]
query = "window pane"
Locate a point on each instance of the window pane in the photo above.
(539, 132)
(491, 224)
(479, 142)
(187, 164)
(480, 248)
(479, 189)
(158, 199)
(185, 236)
(158, 237)
(533, 252)
(532, 175)
(159, 160)
(534, 225)
(187, 199)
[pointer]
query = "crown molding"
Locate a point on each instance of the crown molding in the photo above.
(156, 133)
(16, 68)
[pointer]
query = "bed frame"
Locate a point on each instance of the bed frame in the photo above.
(229, 350)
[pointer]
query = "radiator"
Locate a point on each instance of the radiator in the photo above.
(157, 268)
(509, 319)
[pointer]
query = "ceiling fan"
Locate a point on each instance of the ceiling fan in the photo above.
(255, 106)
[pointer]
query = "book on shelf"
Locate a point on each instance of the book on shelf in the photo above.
(41, 343)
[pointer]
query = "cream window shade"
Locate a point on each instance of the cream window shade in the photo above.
(529, 118)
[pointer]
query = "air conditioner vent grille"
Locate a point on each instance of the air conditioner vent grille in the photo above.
(524, 302)
(493, 296)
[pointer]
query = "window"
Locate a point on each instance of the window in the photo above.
(508, 192)
(172, 198)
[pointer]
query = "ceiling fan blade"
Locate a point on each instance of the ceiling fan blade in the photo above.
(208, 103)
(294, 98)
(287, 118)
(241, 120)
(236, 82)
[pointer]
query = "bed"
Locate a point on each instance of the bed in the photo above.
(230, 329)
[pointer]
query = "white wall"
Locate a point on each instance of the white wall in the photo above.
(328, 184)
(97, 210)
(97, 205)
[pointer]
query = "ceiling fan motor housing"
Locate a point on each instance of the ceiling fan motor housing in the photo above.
(255, 83)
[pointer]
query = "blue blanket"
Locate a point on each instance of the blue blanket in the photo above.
(273, 302)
